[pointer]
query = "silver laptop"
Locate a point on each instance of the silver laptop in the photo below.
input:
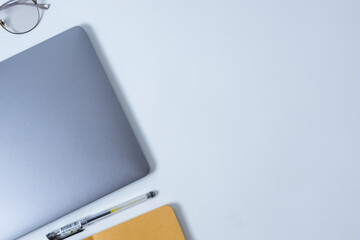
(64, 138)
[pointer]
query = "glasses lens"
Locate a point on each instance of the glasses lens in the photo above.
(20, 16)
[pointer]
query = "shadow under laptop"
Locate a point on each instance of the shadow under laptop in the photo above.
(181, 218)
(120, 95)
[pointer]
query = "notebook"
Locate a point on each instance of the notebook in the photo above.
(64, 138)
(159, 224)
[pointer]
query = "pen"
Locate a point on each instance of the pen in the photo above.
(78, 226)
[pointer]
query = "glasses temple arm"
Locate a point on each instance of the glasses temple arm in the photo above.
(43, 6)
(8, 4)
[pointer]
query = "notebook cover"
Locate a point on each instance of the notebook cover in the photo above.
(159, 224)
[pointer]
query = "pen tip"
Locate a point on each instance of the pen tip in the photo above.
(151, 194)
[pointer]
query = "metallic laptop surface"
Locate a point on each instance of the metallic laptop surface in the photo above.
(64, 138)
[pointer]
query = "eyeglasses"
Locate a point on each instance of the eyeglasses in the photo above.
(21, 16)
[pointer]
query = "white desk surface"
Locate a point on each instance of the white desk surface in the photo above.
(249, 111)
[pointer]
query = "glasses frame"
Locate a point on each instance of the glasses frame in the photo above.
(12, 3)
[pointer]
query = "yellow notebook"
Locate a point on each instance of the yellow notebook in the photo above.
(159, 224)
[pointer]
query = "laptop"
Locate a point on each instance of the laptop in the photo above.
(64, 138)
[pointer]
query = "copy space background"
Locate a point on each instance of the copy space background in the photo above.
(248, 111)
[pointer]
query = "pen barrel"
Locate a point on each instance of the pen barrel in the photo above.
(98, 216)
(66, 231)
(79, 225)
(118, 208)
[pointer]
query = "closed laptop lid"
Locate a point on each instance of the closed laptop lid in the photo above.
(64, 138)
